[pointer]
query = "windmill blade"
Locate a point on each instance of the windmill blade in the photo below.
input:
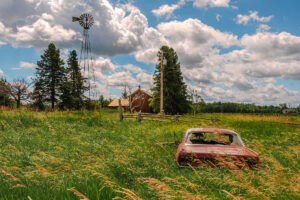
(75, 19)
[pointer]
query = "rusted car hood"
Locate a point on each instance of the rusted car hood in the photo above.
(219, 150)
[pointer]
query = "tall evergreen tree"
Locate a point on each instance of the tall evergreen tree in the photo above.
(50, 73)
(175, 99)
(67, 100)
(77, 80)
(38, 95)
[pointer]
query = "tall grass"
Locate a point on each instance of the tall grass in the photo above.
(92, 155)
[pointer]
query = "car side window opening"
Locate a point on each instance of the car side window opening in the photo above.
(213, 138)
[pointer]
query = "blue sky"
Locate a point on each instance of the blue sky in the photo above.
(229, 50)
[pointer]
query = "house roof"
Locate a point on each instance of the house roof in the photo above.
(142, 90)
(115, 103)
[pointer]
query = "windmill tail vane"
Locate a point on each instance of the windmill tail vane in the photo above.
(75, 19)
(86, 60)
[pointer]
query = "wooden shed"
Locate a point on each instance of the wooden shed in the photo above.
(115, 104)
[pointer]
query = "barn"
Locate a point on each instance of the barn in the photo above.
(140, 101)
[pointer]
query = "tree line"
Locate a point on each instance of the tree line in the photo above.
(230, 107)
(55, 85)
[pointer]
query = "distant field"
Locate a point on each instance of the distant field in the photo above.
(69, 155)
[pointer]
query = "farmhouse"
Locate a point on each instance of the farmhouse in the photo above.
(137, 101)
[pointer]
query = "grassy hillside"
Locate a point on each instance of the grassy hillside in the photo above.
(69, 155)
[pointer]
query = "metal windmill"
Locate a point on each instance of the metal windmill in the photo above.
(86, 60)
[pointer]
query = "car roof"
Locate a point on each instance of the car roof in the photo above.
(218, 130)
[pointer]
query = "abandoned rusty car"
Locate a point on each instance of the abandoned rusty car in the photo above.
(215, 147)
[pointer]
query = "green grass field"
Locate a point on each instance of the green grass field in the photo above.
(80, 155)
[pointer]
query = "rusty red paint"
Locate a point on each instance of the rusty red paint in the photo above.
(233, 153)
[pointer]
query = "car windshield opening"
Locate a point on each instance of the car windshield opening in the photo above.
(213, 138)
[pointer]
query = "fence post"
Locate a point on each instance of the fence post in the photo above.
(176, 118)
(120, 110)
(139, 117)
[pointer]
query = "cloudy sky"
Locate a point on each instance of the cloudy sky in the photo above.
(242, 51)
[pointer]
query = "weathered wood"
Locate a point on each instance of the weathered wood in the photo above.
(211, 119)
(120, 111)
(125, 116)
(166, 118)
(139, 117)
(150, 116)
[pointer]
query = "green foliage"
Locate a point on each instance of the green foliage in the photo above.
(56, 84)
(50, 73)
(283, 106)
(38, 95)
(67, 100)
(175, 90)
(73, 86)
(103, 102)
(103, 158)
(198, 104)
(228, 107)
(5, 93)
(298, 108)
(77, 80)
(92, 105)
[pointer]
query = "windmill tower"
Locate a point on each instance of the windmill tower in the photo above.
(86, 60)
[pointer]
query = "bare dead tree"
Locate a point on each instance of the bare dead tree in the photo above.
(131, 99)
(19, 90)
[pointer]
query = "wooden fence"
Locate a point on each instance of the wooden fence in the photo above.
(168, 118)
(165, 118)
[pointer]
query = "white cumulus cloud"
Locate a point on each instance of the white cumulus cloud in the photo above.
(253, 16)
(211, 3)
(263, 27)
(165, 10)
(27, 65)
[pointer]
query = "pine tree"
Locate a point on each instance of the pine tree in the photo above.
(49, 77)
(66, 97)
(77, 80)
(38, 95)
(175, 99)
